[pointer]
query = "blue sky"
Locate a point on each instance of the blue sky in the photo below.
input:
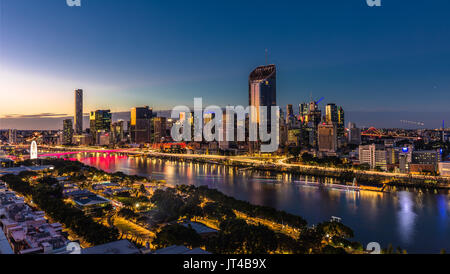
(129, 53)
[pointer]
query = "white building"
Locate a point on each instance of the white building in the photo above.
(374, 155)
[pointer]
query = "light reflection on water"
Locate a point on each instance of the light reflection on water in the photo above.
(417, 222)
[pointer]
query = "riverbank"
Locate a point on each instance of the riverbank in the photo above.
(399, 216)
(345, 176)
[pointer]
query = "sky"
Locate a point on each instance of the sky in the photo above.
(382, 64)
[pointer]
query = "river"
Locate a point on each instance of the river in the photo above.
(417, 221)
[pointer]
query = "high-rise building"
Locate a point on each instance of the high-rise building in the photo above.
(262, 90)
(303, 112)
(331, 114)
(100, 122)
(327, 137)
(313, 120)
(78, 118)
(293, 137)
(289, 110)
(159, 129)
(12, 136)
(67, 132)
(374, 155)
(341, 123)
(354, 134)
(425, 161)
(117, 132)
(141, 125)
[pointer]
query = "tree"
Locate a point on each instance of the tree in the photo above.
(142, 189)
(236, 236)
(168, 202)
(217, 211)
(177, 235)
(335, 229)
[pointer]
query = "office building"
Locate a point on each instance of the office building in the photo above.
(331, 114)
(78, 117)
(262, 90)
(67, 134)
(426, 157)
(141, 125)
(313, 120)
(303, 112)
(117, 132)
(289, 111)
(84, 139)
(425, 161)
(159, 129)
(327, 138)
(341, 123)
(354, 134)
(100, 123)
(293, 137)
(374, 155)
(12, 136)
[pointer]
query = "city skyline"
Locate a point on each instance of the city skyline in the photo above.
(351, 54)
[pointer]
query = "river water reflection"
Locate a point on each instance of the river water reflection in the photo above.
(416, 221)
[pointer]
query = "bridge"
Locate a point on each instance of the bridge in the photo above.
(61, 154)
(73, 152)
(60, 151)
(373, 132)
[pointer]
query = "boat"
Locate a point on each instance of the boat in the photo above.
(354, 186)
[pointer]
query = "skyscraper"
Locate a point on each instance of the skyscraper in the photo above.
(289, 110)
(78, 118)
(117, 132)
(327, 137)
(331, 114)
(67, 132)
(262, 90)
(100, 122)
(313, 120)
(141, 125)
(354, 134)
(159, 129)
(303, 110)
(12, 136)
(341, 123)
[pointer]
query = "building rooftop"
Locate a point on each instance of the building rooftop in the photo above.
(179, 249)
(17, 170)
(117, 247)
(199, 228)
(5, 248)
(262, 72)
(27, 230)
(90, 200)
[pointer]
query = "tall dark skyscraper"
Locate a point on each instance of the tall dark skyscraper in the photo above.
(141, 124)
(263, 89)
(78, 118)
